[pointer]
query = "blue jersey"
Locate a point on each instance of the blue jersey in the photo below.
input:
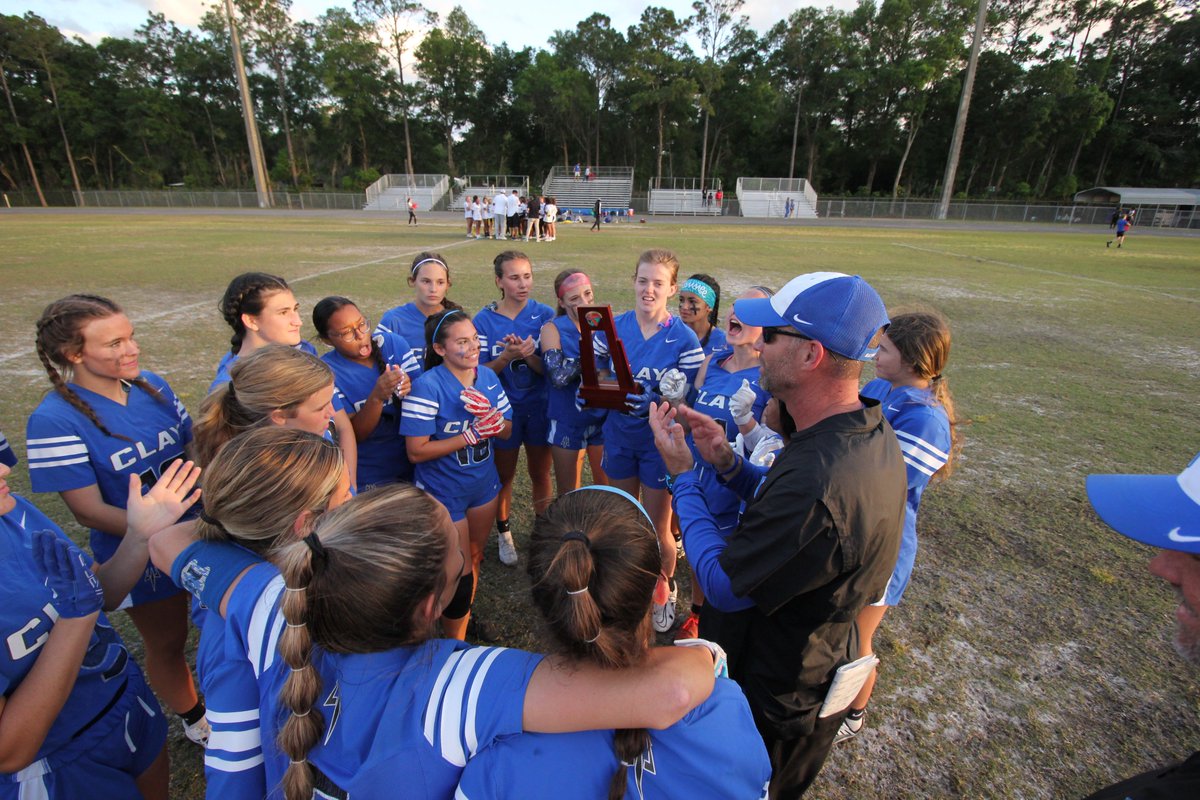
(673, 346)
(923, 428)
(717, 340)
(408, 717)
(230, 357)
(434, 409)
(7, 455)
(26, 617)
(382, 457)
(67, 451)
(712, 399)
(408, 322)
(693, 759)
(560, 403)
(525, 388)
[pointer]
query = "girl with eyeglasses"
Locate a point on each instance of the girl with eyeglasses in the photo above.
(373, 372)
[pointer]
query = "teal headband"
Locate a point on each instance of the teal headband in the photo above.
(701, 290)
(599, 487)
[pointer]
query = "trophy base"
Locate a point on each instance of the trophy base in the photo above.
(608, 394)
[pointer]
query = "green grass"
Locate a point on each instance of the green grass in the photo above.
(1031, 655)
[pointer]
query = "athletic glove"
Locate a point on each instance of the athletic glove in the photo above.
(485, 427)
(741, 404)
(766, 449)
(638, 405)
(673, 386)
(561, 370)
(720, 661)
(76, 589)
(475, 402)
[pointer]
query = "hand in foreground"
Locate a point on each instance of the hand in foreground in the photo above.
(392, 381)
(475, 402)
(709, 437)
(162, 506)
(76, 589)
(674, 386)
(741, 404)
(670, 439)
(638, 405)
(485, 427)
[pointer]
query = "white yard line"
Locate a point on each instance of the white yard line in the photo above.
(143, 318)
(1069, 275)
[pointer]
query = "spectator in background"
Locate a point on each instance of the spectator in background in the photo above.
(1162, 511)
(599, 207)
(500, 212)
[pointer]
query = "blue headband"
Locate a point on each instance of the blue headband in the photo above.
(438, 327)
(701, 290)
(599, 487)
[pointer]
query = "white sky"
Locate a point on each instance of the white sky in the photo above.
(521, 23)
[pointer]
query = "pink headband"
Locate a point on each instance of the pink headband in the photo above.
(574, 280)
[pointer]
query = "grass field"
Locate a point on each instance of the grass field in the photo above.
(1031, 655)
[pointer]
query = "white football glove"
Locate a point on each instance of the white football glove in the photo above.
(741, 404)
(673, 386)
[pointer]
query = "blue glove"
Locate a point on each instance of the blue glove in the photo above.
(561, 370)
(77, 591)
(638, 405)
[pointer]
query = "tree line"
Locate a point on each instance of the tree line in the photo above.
(1068, 94)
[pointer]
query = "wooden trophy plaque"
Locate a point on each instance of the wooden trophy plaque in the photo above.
(607, 393)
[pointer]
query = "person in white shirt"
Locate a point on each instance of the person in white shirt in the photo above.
(500, 211)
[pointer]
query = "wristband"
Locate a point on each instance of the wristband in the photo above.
(737, 462)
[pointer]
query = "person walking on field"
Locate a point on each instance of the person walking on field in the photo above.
(412, 211)
(1123, 225)
(596, 210)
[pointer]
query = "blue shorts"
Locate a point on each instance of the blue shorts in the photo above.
(570, 437)
(457, 504)
(104, 760)
(646, 465)
(528, 428)
(152, 586)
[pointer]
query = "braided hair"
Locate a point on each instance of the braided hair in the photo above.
(60, 334)
(594, 562)
(247, 294)
(354, 585)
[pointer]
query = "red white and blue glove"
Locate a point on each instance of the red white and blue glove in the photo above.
(68, 575)
(475, 402)
(485, 427)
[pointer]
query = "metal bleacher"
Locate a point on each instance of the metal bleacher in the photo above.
(767, 197)
(612, 185)
(683, 197)
(486, 186)
(390, 192)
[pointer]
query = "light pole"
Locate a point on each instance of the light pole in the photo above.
(256, 152)
(960, 121)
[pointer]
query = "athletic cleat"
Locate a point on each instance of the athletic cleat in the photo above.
(664, 616)
(198, 732)
(690, 629)
(850, 728)
(508, 550)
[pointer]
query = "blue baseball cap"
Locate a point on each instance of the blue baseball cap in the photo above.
(842, 312)
(1159, 510)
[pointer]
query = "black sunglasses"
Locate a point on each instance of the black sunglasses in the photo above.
(769, 334)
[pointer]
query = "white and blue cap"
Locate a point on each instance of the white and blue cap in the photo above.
(842, 312)
(1159, 510)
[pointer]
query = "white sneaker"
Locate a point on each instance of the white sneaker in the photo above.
(664, 616)
(198, 732)
(508, 550)
(849, 729)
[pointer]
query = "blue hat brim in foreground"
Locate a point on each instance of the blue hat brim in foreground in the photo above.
(758, 311)
(1153, 509)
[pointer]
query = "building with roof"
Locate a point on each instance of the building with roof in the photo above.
(1172, 208)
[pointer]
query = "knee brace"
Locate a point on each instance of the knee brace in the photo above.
(460, 605)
